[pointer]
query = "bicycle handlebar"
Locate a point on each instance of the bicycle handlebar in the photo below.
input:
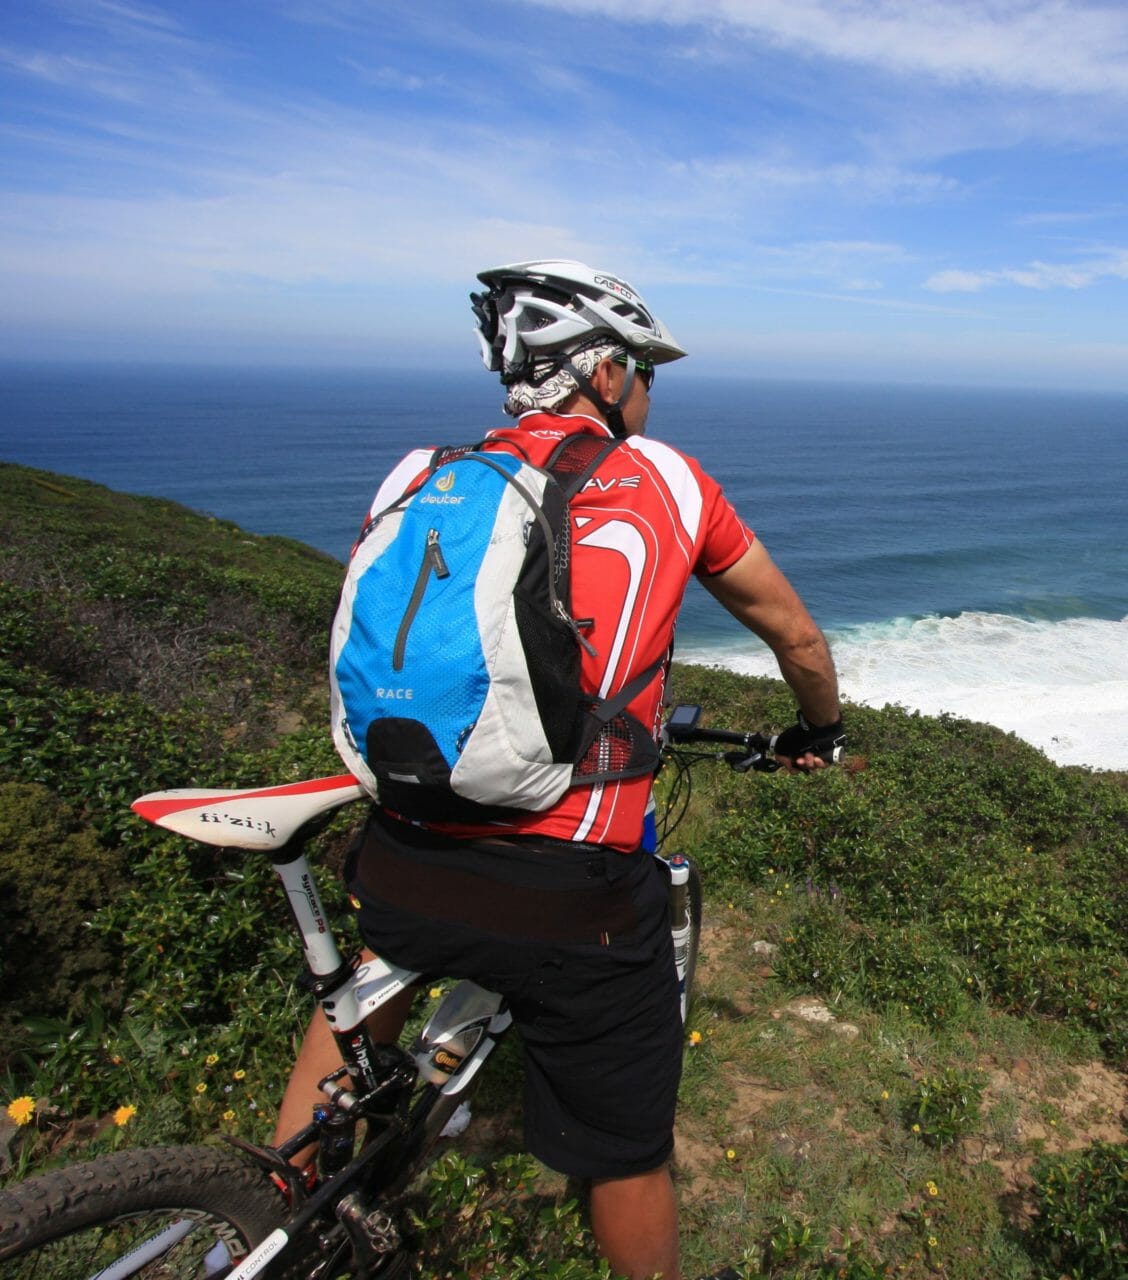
(681, 729)
(755, 741)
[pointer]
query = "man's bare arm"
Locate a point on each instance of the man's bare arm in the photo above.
(757, 594)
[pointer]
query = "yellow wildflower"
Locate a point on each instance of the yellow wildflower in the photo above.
(21, 1110)
(229, 1115)
(885, 1095)
(695, 1037)
(916, 1128)
(932, 1188)
(240, 1074)
(435, 992)
(211, 1059)
(201, 1087)
(730, 1154)
(123, 1115)
(932, 1242)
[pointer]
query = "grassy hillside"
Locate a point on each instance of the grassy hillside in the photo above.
(911, 1002)
(141, 646)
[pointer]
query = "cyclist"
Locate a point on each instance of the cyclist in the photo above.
(557, 910)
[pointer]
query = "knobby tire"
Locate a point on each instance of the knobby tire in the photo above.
(75, 1222)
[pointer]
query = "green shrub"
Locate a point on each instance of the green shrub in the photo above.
(1038, 945)
(1081, 1230)
(54, 876)
(822, 950)
(489, 1220)
(945, 1106)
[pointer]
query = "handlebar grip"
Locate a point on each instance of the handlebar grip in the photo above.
(753, 741)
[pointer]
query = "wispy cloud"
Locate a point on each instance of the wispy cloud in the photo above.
(1074, 217)
(291, 164)
(766, 174)
(62, 70)
(391, 78)
(1037, 275)
(126, 21)
(1065, 46)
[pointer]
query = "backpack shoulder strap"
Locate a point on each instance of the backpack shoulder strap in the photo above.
(451, 453)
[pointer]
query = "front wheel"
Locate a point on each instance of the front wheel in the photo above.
(177, 1213)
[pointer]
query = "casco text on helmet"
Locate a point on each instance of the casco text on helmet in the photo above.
(542, 311)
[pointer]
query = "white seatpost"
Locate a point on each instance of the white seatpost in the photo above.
(322, 954)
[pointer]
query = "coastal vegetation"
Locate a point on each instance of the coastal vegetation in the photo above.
(907, 1051)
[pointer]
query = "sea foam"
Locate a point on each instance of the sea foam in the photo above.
(1061, 686)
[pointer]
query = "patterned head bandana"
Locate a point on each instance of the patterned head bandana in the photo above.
(557, 385)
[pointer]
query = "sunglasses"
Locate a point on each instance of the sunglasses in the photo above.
(643, 368)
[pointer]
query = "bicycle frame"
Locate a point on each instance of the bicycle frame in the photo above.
(447, 1054)
(449, 1051)
(352, 1219)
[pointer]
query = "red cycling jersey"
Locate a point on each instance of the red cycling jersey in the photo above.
(647, 519)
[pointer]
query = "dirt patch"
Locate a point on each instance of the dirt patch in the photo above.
(1028, 1108)
(1067, 1111)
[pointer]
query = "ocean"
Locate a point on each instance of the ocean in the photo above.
(964, 549)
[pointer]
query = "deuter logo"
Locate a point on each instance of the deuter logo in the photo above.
(445, 482)
(395, 695)
(440, 499)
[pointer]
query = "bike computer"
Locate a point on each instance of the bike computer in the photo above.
(682, 719)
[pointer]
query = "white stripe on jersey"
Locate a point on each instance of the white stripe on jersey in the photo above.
(679, 478)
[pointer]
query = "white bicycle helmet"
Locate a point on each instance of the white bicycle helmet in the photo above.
(540, 312)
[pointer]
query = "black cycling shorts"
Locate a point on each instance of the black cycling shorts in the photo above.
(577, 940)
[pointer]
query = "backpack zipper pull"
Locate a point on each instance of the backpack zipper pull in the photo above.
(433, 562)
(435, 554)
(563, 613)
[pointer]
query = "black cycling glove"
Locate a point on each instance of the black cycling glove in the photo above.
(828, 741)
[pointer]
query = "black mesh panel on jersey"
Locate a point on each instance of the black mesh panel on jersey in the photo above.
(577, 453)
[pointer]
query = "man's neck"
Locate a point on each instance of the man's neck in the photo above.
(582, 415)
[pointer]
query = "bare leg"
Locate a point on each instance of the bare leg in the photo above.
(318, 1056)
(635, 1224)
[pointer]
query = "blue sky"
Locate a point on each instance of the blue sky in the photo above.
(871, 189)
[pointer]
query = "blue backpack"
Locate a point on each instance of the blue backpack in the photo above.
(455, 659)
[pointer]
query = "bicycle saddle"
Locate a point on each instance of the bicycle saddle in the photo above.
(252, 818)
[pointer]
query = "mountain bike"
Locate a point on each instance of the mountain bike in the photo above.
(238, 1211)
